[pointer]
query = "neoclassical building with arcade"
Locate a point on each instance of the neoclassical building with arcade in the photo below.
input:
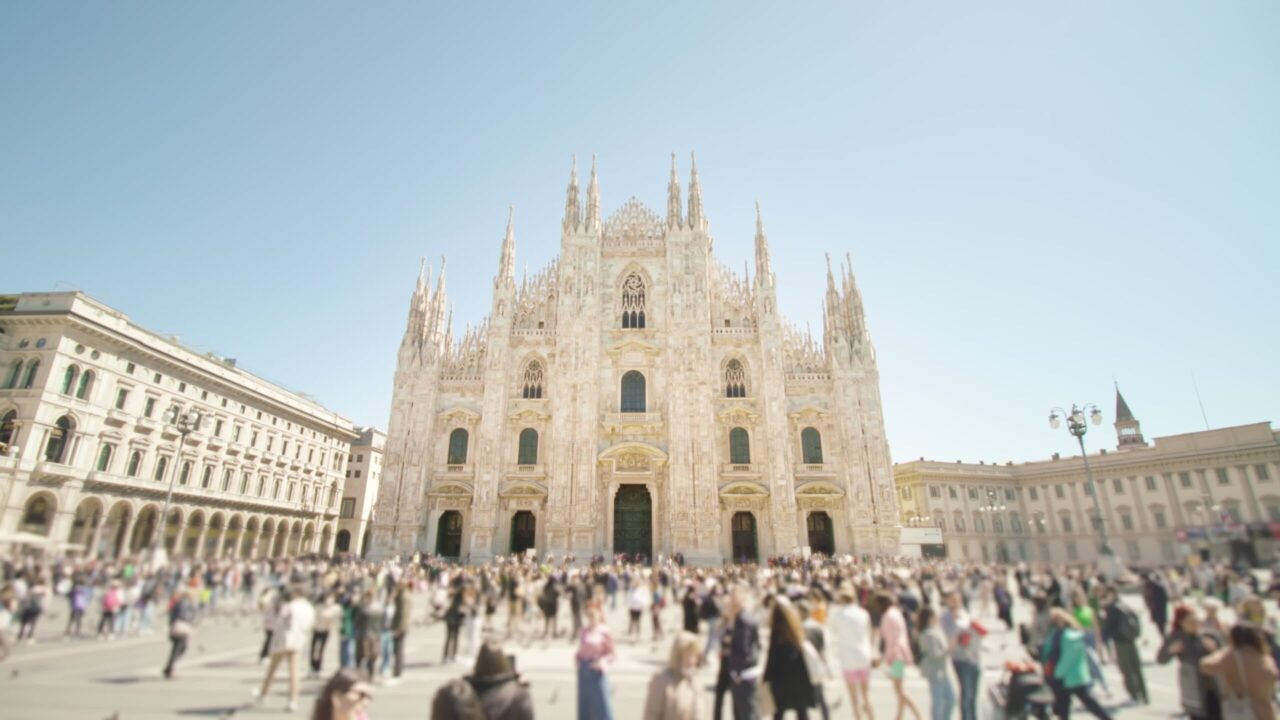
(636, 396)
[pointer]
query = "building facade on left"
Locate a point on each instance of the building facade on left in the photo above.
(89, 447)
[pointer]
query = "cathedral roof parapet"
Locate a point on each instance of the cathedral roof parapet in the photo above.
(634, 225)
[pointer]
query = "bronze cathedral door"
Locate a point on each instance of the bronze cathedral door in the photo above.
(633, 521)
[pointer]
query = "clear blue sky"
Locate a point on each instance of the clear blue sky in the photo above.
(1038, 197)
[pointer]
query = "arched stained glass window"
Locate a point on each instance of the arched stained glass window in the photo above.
(811, 446)
(735, 380)
(528, 447)
(633, 400)
(458, 447)
(739, 447)
(633, 301)
(532, 380)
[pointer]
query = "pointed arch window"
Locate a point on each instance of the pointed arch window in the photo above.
(811, 446)
(59, 440)
(633, 400)
(633, 302)
(85, 386)
(458, 447)
(739, 447)
(532, 380)
(735, 379)
(8, 428)
(528, 447)
(30, 378)
(69, 379)
(135, 462)
(15, 372)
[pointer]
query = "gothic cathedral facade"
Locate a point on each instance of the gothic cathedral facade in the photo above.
(636, 396)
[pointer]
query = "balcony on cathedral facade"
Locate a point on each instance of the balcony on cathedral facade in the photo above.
(740, 470)
(527, 472)
(813, 471)
(633, 422)
(456, 472)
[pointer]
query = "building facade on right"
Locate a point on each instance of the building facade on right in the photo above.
(1214, 493)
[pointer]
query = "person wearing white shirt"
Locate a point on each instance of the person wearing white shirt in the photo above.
(850, 625)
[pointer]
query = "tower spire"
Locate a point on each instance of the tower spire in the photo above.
(572, 207)
(1128, 429)
(695, 194)
(673, 197)
(593, 200)
(764, 272)
(507, 262)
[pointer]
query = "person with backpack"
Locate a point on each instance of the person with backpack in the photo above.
(1121, 624)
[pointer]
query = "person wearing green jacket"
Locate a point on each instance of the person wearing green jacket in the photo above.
(1066, 666)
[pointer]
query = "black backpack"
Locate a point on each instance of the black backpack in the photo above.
(1129, 628)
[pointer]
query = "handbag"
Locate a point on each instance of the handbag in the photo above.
(180, 629)
(814, 664)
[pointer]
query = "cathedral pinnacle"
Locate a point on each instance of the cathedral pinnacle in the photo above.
(764, 273)
(695, 194)
(673, 197)
(507, 263)
(593, 200)
(572, 208)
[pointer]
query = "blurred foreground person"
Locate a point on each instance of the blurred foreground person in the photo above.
(292, 631)
(182, 613)
(492, 692)
(1245, 674)
(1190, 643)
(595, 653)
(345, 697)
(1067, 668)
(673, 692)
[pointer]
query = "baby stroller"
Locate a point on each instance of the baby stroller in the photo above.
(1020, 694)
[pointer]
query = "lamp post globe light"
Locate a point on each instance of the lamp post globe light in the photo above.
(1078, 425)
(185, 423)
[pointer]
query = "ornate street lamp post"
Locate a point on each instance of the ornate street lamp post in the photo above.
(1077, 426)
(185, 423)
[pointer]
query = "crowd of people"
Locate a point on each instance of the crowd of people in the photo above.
(791, 636)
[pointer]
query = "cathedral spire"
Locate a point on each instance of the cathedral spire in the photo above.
(695, 195)
(593, 200)
(507, 263)
(764, 272)
(673, 197)
(572, 207)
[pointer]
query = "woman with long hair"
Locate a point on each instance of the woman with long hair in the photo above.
(1190, 643)
(673, 692)
(345, 697)
(1067, 666)
(785, 669)
(1244, 671)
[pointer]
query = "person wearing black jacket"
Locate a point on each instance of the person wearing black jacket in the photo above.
(785, 670)
(742, 658)
(690, 607)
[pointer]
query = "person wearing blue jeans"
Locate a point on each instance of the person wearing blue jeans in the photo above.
(965, 638)
(933, 665)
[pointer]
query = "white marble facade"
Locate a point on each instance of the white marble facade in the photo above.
(634, 364)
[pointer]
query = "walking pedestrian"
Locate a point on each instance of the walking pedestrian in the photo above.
(1245, 673)
(1190, 643)
(595, 653)
(182, 616)
(896, 653)
(673, 692)
(964, 636)
(1121, 624)
(933, 665)
(292, 630)
(327, 615)
(785, 671)
(851, 632)
(1067, 667)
